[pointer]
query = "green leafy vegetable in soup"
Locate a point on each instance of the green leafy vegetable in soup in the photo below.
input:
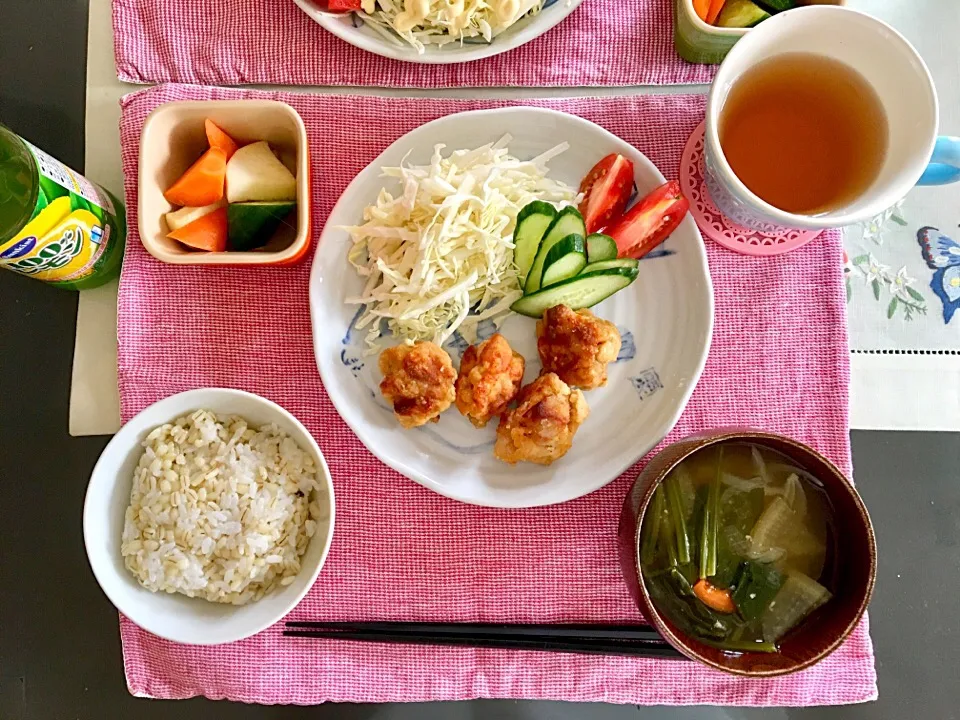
(734, 546)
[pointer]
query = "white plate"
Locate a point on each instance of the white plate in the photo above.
(665, 318)
(363, 36)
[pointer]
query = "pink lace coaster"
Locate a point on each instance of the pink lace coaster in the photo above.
(712, 222)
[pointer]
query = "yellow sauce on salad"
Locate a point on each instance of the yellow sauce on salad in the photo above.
(505, 10)
(456, 12)
(414, 13)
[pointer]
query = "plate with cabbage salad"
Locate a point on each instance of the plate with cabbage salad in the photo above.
(438, 31)
(432, 274)
(420, 246)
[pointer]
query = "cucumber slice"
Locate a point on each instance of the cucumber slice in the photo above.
(251, 225)
(533, 221)
(601, 247)
(629, 263)
(779, 5)
(565, 259)
(741, 14)
(578, 292)
(569, 221)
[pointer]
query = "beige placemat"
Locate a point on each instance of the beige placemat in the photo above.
(94, 401)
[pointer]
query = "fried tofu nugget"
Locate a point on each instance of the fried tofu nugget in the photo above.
(490, 377)
(418, 381)
(577, 346)
(541, 428)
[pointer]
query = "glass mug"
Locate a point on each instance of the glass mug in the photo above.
(915, 155)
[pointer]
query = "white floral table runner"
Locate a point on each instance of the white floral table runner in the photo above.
(903, 271)
(903, 296)
(903, 277)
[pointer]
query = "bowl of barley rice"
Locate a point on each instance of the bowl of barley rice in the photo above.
(209, 516)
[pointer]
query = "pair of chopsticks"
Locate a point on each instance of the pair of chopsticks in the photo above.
(622, 640)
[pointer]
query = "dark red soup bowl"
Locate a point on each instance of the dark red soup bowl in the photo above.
(853, 559)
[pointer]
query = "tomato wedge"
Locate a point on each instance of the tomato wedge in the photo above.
(650, 221)
(606, 191)
(342, 5)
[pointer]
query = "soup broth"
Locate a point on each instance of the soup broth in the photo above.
(734, 546)
(807, 134)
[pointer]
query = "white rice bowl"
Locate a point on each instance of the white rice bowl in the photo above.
(167, 609)
(219, 509)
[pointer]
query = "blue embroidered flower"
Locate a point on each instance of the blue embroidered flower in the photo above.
(942, 255)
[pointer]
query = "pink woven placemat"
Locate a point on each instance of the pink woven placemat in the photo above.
(779, 361)
(236, 42)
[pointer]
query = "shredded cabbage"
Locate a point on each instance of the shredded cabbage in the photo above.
(439, 257)
(438, 22)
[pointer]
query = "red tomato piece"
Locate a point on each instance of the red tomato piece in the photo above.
(650, 221)
(606, 191)
(343, 5)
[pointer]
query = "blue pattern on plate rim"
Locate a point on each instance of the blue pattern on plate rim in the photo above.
(628, 348)
(485, 329)
(353, 363)
(348, 336)
(658, 253)
(458, 343)
(942, 255)
(647, 383)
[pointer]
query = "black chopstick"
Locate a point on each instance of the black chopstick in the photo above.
(593, 632)
(622, 640)
(607, 647)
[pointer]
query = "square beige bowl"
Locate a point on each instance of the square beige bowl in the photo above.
(698, 42)
(173, 138)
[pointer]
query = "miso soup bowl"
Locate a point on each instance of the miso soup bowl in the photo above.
(854, 547)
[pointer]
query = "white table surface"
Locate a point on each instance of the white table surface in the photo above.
(903, 392)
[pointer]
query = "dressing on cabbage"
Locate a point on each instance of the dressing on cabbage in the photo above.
(439, 22)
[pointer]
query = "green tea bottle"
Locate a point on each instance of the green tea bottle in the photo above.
(55, 225)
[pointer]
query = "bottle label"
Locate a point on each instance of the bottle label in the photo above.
(70, 230)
